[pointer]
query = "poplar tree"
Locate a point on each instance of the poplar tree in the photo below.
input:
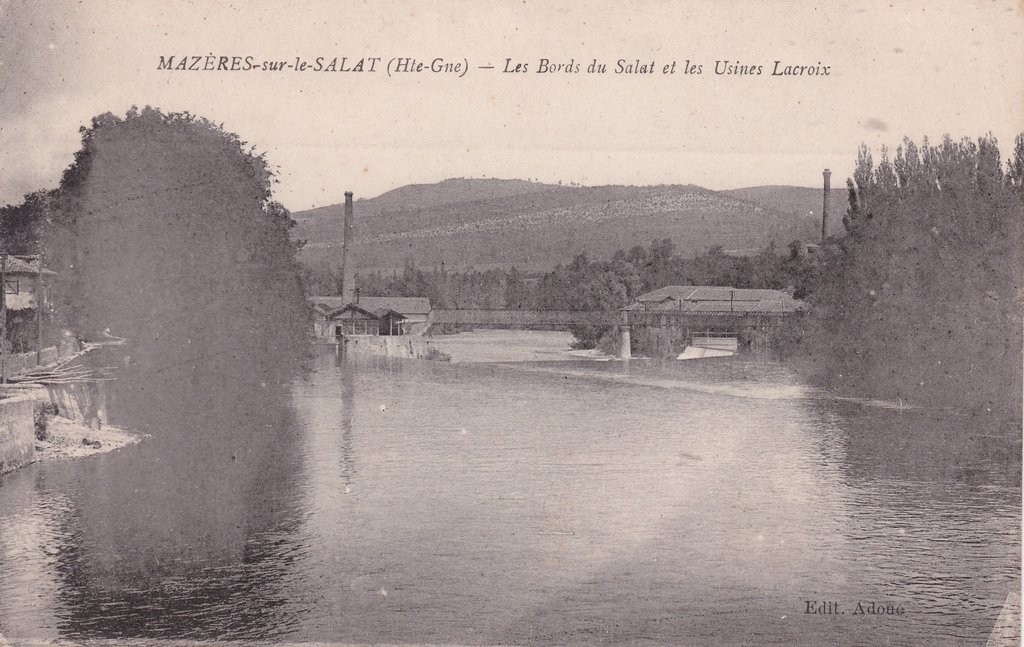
(921, 300)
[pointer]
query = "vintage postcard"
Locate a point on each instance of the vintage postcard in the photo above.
(511, 322)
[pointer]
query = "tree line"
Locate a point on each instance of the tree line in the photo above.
(583, 283)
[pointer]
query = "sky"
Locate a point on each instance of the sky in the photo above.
(895, 69)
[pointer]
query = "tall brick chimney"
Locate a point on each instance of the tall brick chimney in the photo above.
(348, 282)
(827, 174)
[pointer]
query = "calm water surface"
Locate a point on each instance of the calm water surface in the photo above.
(379, 500)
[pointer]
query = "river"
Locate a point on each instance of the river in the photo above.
(378, 500)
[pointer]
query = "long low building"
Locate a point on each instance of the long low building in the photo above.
(667, 320)
(333, 317)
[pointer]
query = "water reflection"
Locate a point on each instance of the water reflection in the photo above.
(935, 501)
(33, 526)
(919, 445)
(378, 500)
(185, 535)
(348, 379)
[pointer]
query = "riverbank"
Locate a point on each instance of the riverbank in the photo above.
(56, 422)
(64, 438)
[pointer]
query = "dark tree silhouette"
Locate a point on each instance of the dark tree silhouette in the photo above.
(921, 300)
(164, 231)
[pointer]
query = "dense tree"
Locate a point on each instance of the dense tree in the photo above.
(163, 230)
(517, 294)
(921, 300)
(21, 224)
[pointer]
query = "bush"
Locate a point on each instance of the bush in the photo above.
(41, 413)
(587, 337)
(436, 355)
(610, 343)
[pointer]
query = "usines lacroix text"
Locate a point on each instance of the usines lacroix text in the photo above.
(512, 66)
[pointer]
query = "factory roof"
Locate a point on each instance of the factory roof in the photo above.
(713, 298)
(408, 306)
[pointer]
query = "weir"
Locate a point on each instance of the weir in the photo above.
(522, 317)
(664, 330)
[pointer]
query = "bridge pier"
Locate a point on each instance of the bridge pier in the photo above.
(625, 352)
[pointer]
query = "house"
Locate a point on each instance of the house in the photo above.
(369, 316)
(21, 279)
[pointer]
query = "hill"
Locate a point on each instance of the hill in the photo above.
(488, 223)
(451, 191)
(798, 201)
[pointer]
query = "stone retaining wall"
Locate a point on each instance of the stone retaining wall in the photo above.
(409, 346)
(17, 433)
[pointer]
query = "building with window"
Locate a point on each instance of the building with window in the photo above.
(333, 318)
(21, 282)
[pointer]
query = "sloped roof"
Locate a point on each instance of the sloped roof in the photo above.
(351, 308)
(710, 293)
(713, 298)
(402, 305)
(389, 312)
(677, 292)
(25, 265)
